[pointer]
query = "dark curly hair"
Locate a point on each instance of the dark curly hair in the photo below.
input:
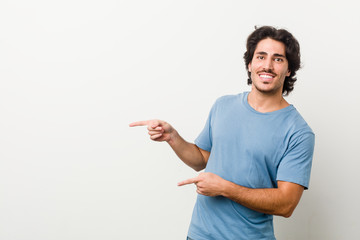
(292, 49)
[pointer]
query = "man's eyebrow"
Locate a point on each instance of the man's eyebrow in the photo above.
(262, 53)
(279, 55)
(275, 54)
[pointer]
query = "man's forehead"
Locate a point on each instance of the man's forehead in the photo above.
(269, 46)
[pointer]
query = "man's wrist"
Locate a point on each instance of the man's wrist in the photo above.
(225, 188)
(174, 135)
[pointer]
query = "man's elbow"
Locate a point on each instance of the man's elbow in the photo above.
(290, 197)
(287, 211)
(287, 214)
(198, 168)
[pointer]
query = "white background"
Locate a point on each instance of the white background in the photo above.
(74, 74)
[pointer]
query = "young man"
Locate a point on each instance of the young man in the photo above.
(255, 148)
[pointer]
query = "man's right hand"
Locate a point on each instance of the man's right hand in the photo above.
(189, 153)
(158, 130)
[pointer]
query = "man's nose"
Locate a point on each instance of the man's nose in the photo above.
(268, 64)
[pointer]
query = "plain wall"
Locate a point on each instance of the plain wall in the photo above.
(74, 74)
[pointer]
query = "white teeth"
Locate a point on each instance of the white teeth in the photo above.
(266, 76)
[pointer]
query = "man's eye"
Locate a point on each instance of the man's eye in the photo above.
(260, 57)
(278, 60)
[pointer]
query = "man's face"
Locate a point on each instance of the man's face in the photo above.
(269, 67)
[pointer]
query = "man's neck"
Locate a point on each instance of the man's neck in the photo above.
(264, 103)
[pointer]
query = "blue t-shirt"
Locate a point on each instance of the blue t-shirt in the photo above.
(254, 150)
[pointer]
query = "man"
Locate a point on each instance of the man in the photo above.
(255, 148)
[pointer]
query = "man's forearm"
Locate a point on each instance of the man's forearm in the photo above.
(275, 201)
(189, 153)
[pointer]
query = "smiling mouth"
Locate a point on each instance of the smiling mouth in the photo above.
(266, 76)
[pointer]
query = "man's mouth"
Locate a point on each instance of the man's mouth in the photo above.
(266, 76)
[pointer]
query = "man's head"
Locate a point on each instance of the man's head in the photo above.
(292, 53)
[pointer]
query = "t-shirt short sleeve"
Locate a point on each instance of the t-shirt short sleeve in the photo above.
(295, 166)
(204, 140)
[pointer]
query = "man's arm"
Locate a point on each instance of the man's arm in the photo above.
(189, 153)
(280, 201)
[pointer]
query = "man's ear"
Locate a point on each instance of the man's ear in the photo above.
(249, 67)
(288, 73)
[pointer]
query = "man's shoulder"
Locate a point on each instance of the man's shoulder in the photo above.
(226, 99)
(299, 124)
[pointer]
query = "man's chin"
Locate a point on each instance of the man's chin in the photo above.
(268, 91)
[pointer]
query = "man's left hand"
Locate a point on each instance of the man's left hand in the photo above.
(207, 183)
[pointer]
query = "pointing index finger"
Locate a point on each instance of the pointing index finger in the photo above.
(140, 123)
(188, 181)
